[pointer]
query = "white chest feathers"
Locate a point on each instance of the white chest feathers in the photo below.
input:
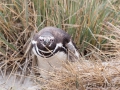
(47, 65)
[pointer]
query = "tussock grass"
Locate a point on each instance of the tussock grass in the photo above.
(89, 75)
(93, 24)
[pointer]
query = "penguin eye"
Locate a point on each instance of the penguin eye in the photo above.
(41, 39)
(51, 40)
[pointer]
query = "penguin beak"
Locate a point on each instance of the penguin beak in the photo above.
(46, 42)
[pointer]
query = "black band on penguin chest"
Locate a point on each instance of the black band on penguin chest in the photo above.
(47, 55)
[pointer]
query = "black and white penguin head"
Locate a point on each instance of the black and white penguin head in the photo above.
(50, 40)
(46, 41)
(44, 44)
